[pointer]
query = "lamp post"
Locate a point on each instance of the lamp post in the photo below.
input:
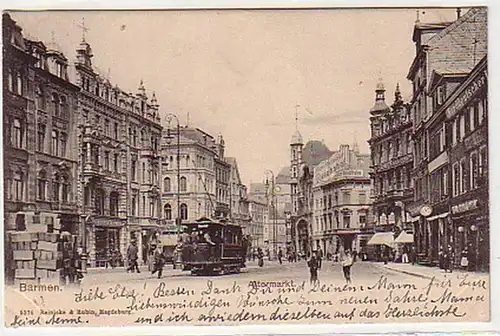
(169, 117)
(273, 205)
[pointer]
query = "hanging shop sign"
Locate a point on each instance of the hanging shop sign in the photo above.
(464, 207)
(426, 210)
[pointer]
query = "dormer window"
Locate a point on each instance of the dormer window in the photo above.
(440, 95)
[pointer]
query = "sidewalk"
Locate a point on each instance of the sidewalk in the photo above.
(425, 272)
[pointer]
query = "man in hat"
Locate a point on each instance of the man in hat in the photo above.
(132, 256)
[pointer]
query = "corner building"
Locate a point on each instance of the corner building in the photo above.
(39, 113)
(446, 53)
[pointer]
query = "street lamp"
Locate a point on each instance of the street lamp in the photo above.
(273, 204)
(169, 137)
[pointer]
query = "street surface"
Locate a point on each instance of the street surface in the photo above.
(361, 273)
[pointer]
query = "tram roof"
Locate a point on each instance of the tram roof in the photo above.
(205, 222)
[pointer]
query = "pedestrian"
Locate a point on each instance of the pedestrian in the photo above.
(441, 256)
(313, 269)
(320, 257)
(260, 255)
(404, 257)
(448, 259)
(280, 256)
(132, 256)
(413, 255)
(159, 262)
(464, 260)
(347, 262)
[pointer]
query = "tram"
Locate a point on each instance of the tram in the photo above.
(212, 247)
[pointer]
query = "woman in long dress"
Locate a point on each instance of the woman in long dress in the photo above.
(347, 262)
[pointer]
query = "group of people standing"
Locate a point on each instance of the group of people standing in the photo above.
(347, 259)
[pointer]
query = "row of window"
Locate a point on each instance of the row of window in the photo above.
(465, 175)
(396, 179)
(329, 201)
(58, 106)
(395, 147)
(337, 220)
(113, 96)
(58, 141)
(60, 187)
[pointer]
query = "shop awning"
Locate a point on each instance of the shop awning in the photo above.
(404, 238)
(382, 238)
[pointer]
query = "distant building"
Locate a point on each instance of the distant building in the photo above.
(238, 198)
(195, 182)
(341, 201)
(391, 162)
(259, 218)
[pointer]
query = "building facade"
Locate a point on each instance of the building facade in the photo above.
(466, 113)
(445, 54)
(391, 162)
(39, 113)
(341, 201)
(259, 217)
(119, 139)
(238, 198)
(193, 194)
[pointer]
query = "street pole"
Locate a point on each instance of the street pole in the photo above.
(273, 211)
(178, 220)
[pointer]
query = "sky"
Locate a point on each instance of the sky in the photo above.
(241, 73)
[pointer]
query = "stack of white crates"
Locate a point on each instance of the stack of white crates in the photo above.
(36, 256)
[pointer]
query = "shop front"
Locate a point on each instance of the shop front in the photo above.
(471, 232)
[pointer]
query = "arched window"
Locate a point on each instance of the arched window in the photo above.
(56, 185)
(40, 98)
(18, 186)
(19, 84)
(56, 102)
(42, 185)
(166, 184)
(184, 211)
(17, 134)
(11, 82)
(64, 107)
(113, 203)
(99, 201)
(183, 184)
(65, 189)
(55, 143)
(167, 211)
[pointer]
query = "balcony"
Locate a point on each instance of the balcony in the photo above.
(91, 168)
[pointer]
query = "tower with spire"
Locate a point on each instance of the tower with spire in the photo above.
(296, 159)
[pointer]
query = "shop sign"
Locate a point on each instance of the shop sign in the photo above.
(465, 206)
(466, 95)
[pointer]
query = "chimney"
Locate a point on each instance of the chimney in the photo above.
(459, 12)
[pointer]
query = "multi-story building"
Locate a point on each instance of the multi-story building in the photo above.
(238, 200)
(119, 137)
(391, 162)
(445, 54)
(194, 194)
(466, 113)
(341, 201)
(222, 181)
(259, 217)
(39, 113)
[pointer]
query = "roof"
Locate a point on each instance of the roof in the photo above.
(458, 47)
(283, 176)
(380, 106)
(314, 152)
(257, 188)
